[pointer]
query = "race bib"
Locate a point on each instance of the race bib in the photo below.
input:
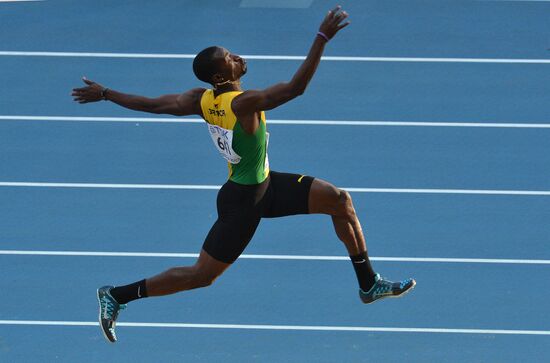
(223, 139)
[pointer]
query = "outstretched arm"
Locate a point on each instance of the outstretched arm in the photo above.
(187, 103)
(274, 96)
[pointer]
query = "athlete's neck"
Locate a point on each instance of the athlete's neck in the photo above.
(227, 87)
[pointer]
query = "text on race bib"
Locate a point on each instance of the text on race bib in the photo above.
(223, 139)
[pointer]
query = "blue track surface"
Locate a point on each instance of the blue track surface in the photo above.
(489, 297)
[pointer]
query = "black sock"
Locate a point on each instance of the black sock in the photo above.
(363, 270)
(125, 294)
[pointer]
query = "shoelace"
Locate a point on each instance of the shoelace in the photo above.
(383, 287)
(110, 309)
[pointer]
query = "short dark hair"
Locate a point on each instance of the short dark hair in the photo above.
(204, 66)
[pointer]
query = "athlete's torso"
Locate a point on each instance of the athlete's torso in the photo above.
(246, 154)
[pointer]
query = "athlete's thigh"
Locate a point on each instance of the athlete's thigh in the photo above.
(288, 194)
(228, 238)
(238, 218)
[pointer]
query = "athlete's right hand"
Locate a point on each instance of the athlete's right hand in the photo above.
(93, 92)
(333, 22)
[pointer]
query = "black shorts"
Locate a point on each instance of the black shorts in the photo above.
(241, 207)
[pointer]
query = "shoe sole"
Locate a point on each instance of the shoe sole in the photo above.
(393, 296)
(99, 320)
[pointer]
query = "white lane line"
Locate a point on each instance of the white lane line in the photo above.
(276, 257)
(217, 187)
(514, 0)
(161, 120)
(284, 327)
(449, 191)
(100, 119)
(110, 186)
(279, 57)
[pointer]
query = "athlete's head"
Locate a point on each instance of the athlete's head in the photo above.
(217, 66)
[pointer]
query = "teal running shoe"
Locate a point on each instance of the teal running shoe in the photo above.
(108, 312)
(383, 288)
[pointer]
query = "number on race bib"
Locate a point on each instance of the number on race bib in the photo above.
(223, 138)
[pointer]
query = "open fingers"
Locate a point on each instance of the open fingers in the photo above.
(87, 81)
(81, 89)
(335, 10)
(81, 100)
(342, 26)
(338, 18)
(333, 22)
(84, 95)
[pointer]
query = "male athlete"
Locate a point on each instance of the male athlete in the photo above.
(237, 124)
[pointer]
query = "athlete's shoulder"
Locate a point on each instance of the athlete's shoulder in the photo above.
(194, 94)
(190, 101)
(198, 92)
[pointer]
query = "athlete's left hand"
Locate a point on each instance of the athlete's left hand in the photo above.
(93, 92)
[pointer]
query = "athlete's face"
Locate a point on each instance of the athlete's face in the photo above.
(232, 67)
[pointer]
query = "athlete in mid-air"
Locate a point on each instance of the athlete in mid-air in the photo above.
(237, 124)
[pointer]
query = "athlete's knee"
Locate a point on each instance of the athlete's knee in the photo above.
(204, 281)
(337, 202)
(204, 278)
(345, 204)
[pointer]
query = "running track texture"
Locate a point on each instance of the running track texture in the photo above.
(432, 114)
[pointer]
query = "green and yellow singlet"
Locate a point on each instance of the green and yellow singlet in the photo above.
(246, 154)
